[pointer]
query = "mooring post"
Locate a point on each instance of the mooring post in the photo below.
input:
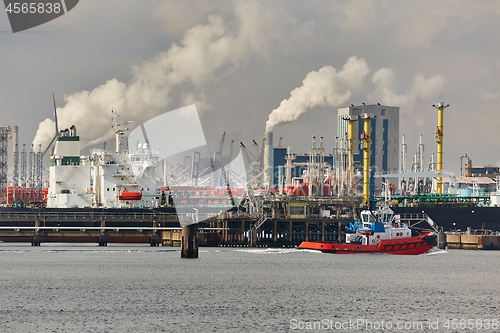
(101, 239)
(441, 240)
(189, 246)
(155, 240)
(252, 237)
(36, 240)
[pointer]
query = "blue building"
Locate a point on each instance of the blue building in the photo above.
(384, 156)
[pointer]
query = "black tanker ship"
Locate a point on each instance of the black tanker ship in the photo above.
(457, 218)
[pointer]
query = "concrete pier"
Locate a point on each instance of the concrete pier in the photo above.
(171, 238)
(441, 240)
(473, 242)
(189, 244)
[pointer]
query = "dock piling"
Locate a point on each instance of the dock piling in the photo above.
(252, 237)
(102, 240)
(155, 239)
(36, 240)
(441, 240)
(189, 245)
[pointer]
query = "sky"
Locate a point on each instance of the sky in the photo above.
(251, 65)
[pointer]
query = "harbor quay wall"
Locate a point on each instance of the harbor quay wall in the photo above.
(473, 242)
(165, 229)
(85, 226)
(218, 230)
(282, 232)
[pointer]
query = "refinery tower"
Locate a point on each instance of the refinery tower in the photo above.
(384, 155)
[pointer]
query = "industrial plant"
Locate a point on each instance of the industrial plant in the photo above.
(281, 199)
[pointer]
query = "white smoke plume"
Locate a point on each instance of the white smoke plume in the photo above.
(326, 87)
(422, 89)
(329, 88)
(206, 52)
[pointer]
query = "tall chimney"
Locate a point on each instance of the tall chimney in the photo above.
(15, 157)
(289, 166)
(468, 167)
(268, 160)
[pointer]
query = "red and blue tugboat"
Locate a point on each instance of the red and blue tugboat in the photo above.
(378, 232)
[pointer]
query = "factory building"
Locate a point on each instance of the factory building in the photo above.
(384, 156)
(300, 164)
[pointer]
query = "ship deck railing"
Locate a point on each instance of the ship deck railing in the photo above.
(414, 219)
(95, 215)
(87, 228)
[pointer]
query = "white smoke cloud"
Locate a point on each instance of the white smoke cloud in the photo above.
(422, 89)
(329, 88)
(177, 16)
(206, 53)
(326, 87)
(47, 131)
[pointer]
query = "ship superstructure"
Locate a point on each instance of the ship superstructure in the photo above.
(104, 179)
(70, 182)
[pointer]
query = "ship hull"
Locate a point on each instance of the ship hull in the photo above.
(455, 218)
(77, 239)
(400, 246)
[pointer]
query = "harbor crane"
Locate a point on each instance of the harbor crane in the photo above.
(215, 162)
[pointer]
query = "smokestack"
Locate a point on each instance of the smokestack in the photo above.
(268, 160)
(289, 166)
(72, 130)
(15, 138)
(15, 150)
(468, 167)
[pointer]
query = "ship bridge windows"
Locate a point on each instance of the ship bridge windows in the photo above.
(367, 217)
(386, 217)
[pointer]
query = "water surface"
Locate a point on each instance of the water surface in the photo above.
(130, 288)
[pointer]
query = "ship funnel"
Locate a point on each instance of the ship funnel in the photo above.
(72, 130)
